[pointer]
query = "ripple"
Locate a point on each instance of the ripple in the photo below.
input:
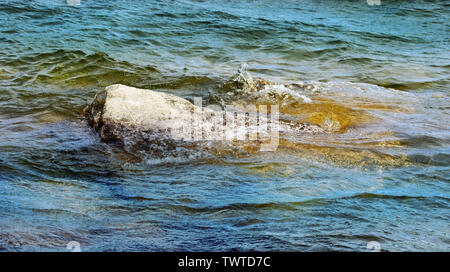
(376, 77)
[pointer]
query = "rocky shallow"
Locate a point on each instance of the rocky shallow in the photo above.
(133, 116)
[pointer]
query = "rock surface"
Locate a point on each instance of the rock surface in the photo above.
(136, 116)
(129, 114)
(125, 113)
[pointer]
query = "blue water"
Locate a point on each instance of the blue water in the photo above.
(381, 71)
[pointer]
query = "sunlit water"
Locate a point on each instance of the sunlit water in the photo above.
(377, 78)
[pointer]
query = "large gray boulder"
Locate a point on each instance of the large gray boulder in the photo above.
(141, 117)
(121, 112)
(132, 115)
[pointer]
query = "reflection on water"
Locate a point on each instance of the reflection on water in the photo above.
(375, 78)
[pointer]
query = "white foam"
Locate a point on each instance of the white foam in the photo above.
(283, 90)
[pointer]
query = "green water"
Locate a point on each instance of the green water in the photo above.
(381, 72)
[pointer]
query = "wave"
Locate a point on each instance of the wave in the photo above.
(347, 124)
(344, 123)
(359, 120)
(414, 85)
(77, 69)
(294, 205)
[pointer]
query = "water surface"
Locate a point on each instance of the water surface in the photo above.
(377, 77)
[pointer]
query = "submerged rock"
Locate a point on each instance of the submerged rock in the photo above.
(122, 113)
(148, 118)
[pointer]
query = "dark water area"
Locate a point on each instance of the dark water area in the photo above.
(377, 75)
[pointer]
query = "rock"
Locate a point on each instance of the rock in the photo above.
(122, 113)
(134, 116)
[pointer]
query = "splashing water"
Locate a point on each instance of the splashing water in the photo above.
(373, 80)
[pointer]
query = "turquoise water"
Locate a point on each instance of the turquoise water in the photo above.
(381, 72)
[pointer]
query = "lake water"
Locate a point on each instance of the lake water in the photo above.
(376, 75)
